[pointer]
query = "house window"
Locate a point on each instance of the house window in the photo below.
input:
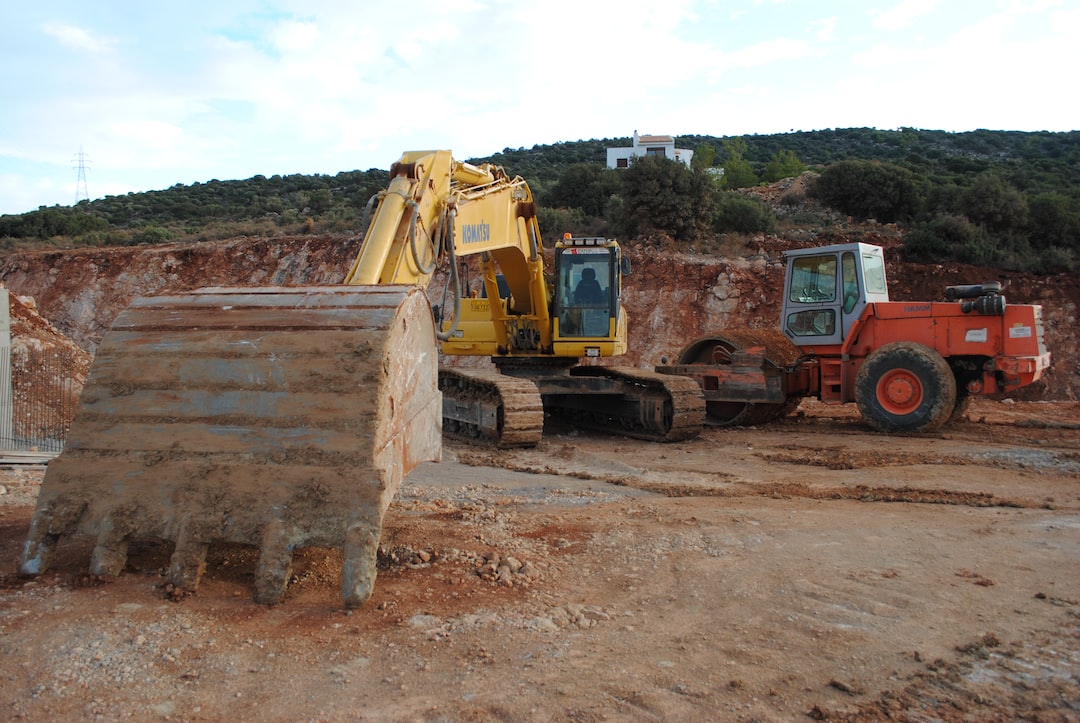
(622, 163)
(655, 152)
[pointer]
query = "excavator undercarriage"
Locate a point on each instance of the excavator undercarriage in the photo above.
(624, 400)
(500, 409)
(481, 405)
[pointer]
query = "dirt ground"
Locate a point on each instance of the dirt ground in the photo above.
(807, 570)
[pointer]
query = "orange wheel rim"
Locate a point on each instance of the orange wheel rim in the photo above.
(899, 392)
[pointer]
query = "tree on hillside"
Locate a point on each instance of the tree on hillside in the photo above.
(1051, 222)
(664, 195)
(51, 221)
(994, 204)
(784, 164)
(869, 189)
(738, 173)
(587, 186)
(740, 213)
(704, 157)
(320, 200)
(941, 237)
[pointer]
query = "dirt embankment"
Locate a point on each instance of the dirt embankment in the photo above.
(672, 298)
(82, 291)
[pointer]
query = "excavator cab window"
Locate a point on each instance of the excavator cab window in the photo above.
(587, 286)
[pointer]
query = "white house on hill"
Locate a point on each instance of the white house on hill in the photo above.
(648, 146)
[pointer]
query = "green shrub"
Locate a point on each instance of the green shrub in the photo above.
(994, 204)
(868, 189)
(939, 239)
(587, 186)
(554, 222)
(664, 196)
(150, 235)
(1057, 259)
(792, 199)
(742, 214)
(1052, 222)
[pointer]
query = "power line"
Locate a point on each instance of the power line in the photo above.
(82, 162)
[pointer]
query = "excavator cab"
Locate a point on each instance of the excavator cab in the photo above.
(587, 309)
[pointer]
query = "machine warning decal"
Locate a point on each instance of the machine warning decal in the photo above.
(975, 336)
(1019, 332)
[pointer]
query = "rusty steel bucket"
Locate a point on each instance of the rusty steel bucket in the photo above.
(274, 417)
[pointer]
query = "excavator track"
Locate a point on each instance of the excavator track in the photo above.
(639, 403)
(274, 417)
(490, 408)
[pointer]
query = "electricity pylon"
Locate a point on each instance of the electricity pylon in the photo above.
(82, 162)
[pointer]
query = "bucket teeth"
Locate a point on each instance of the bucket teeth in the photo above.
(358, 572)
(275, 563)
(110, 552)
(188, 560)
(278, 418)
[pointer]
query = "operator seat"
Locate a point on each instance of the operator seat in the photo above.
(588, 290)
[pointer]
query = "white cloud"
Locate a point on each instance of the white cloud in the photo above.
(291, 35)
(903, 14)
(771, 51)
(230, 88)
(1067, 22)
(22, 192)
(825, 28)
(78, 38)
(152, 135)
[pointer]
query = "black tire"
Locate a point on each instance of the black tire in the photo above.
(905, 387)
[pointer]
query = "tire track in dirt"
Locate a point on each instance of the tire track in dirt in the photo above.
(721, 484)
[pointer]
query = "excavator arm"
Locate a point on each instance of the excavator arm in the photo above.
(436, 210)
(436, 207)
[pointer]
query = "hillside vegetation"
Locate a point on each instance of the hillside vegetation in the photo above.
(998, 198)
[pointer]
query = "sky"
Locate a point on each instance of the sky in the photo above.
(149, 95)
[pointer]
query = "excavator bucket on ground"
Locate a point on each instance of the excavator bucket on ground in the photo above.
(274, 417)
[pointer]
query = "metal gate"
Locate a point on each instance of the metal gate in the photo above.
(39, 390)
(43, 396)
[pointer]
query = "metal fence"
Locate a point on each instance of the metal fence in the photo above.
(44, 393)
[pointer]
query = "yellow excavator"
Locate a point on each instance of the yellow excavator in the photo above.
(286, 417)
(535, 328)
